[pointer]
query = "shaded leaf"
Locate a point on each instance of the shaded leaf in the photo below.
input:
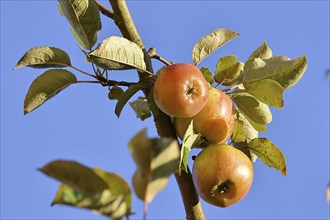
(286, 72)
(141, 108)
(189, 140)
(94, 189)
(44, 57)
(238, 131)
(249, 132)
(255, 111)
(228, 69)
(271, 155)
(243, 146)
(209, 43)
(75, 175)
(84, 18)
(208, 75)
(126, 96)
(46, 86)
(115, 93)
(263, 52)
(118, 53)
(267, 91)
(155, 159)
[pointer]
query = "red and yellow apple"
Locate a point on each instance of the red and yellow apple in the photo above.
(215, 122)
(181, 90)
(222, 175)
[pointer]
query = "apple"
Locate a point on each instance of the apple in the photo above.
(181, 90)
(215, 122)
(222, 175)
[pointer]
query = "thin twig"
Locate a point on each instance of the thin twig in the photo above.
(105, 11)
(88, 74)
(153, 54)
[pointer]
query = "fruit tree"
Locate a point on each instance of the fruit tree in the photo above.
(220, 113)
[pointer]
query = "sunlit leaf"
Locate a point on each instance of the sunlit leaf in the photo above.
(155, 159)
(118, 53)
(209, 43)
(271, 155)
(126, 96)
(327, 193)
(141, 108)
(84, 18)
(46, 86)
(263, 52)
(208, 75)
(267, 91)
(286, 72)
(44, 57)
(228, 69)
(255, 111)
(190, 140)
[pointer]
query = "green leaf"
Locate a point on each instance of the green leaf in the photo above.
(208, 75)
(209, 43)
(115, 93)
(190, 139)
(238, 131)
(255, 111)
(286, 72)
(46, 86)
(263, 52)
(268, 153)
(84, 18)
(75, 175)
(118, 53)
(118, 202)
(141, 108)
(327, 193)
(126, 96)
(155, 159)
(228, 69)
(94, 189)
(267, 91)
(249, 132)
(44, 57)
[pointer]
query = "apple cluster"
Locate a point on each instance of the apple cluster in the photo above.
(222, 174)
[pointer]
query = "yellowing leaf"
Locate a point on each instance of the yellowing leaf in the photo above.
(267, 91)
(228, 70)
(209, 43)
(46, 86)
(263, 52)
(286, 72)
(44, 57)
(207, 74)
(268, 153)
(118, 53)
(255, 111)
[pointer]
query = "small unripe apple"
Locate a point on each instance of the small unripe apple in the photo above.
(181, 90)
(222, 175)
(215, 122)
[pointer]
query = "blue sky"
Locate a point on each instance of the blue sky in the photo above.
(79, 124)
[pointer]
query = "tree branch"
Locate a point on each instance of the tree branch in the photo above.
(105, 11)
(164, 125)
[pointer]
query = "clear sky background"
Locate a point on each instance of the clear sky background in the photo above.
(79, 124)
